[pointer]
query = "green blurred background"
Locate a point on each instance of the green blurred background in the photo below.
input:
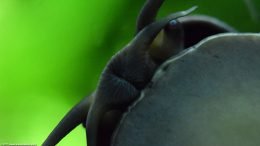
(53, 51)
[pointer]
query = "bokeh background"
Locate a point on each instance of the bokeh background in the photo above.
(53, 51)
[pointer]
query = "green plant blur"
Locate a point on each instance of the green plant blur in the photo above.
(53, 51)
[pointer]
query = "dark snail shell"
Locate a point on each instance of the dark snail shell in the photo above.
(208, 95)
